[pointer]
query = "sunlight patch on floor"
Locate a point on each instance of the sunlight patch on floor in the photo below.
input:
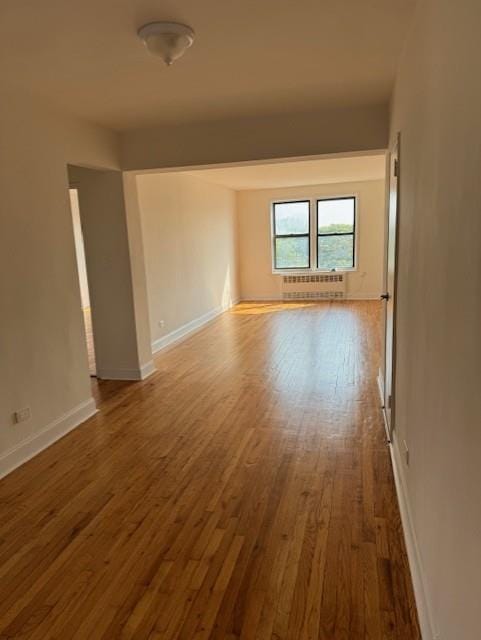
(256, 308)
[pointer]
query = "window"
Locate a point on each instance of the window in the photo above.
(336, 227)
(291, 235)
(317, 233)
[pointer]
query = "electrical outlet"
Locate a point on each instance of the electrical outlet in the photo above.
(406, 452)
(161, 324)
(22, 414)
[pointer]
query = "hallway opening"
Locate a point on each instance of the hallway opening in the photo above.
(83, 279)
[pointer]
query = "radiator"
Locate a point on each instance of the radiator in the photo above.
(319, 286)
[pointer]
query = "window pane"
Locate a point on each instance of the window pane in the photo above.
(334, 252)
(292, 252)
(335, 216)
(291, 217)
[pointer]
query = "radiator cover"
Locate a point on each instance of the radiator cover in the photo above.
(317, 286)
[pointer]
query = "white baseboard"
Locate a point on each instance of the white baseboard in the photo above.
(279, 298)
(183, 332)
(147, 369)
(30, 447)
(412, 547)
(127, 374)
(362, 296)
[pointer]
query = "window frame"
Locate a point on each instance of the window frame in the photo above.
(307, 235)
(313, 235)
(352, 233)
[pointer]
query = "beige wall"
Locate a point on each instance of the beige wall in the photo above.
(189, 241)
(137, 266)
(43, 352)
(323, 132)
(254, 227)
(437, 107)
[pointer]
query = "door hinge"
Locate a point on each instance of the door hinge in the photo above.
(396, 168)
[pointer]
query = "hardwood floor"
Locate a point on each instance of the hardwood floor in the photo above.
(242, 491)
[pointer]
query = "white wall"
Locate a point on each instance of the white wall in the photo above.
(254, 226)
(261, 138)
(188, 228)
(437, 107)
(42, 345)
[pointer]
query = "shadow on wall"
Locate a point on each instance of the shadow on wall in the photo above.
(227, 300)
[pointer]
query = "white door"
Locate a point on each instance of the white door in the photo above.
(389, 296)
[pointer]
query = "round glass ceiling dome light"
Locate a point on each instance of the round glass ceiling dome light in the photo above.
(167, 40)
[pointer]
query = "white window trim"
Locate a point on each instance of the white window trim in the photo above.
(313, 234)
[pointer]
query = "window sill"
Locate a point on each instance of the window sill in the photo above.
(299, 272)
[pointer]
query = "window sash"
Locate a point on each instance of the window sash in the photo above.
(276, 235)
(337, 233)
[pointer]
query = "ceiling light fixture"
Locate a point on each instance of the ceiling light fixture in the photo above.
(168, 40)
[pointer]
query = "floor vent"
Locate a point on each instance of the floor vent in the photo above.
(325, 286)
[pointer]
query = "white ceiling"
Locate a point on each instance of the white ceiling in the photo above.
(298, 173)
(250, 57)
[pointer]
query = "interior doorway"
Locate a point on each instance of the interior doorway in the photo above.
(83, 279)
(390, 294)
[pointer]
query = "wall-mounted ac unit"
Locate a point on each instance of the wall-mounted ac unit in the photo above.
(319, 286)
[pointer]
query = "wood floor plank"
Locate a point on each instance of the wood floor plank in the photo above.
(244, 491)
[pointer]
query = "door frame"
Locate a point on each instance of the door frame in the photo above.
(389, 419)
